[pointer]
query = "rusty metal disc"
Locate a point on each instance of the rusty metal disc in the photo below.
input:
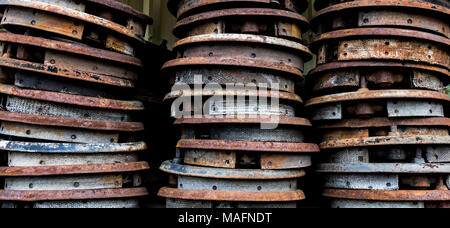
(32, 147)
(284, 24)
(321, 4)
(230, 174)
(71, 99)
(385, 141)
(236, 196)
(382, 168)
(283, 120)
(53, 13)
(382, 44)
(35, 196)
(71, 122)
(124, 8)
(385, 13)
(405, 195)
(385, 122)
(183, 8)
(248, 146)
(38, 171)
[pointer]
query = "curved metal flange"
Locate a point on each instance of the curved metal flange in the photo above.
(39, 171)
(237, 93)
(273, 147)
(183, 8)
(386, 122)
(381, 94)
(390, 168)
(124, 8)
(71, 99)
(78, 15)
(230, 174)
(64, 72)
(382, 44)
(385, 141)
(378, 195)
(71, 122)
(321, 4)
(35, 196)
(70, 148)
(296, 22)
(391, 13)
(234, 196)
(282, 120)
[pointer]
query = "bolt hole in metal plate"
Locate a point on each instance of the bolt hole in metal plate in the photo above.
(184, 8)
(386, 13)
(270, 22)
(382, 44)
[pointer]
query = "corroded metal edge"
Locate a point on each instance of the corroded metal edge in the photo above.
(71, 122)
(372, 33)
(379, 168)
(223, 173)
(403, 195)
(35, 196)
(116, 5)
(233, 196)
(227, 145)
(70, 48)
(385, 122)
(64, 98)
(378, 94)
(70, 148)
(259, 119)
(209, 93)
(233, 62)
(185, 22)
(385, 141)
(57, 170)
(76, 15)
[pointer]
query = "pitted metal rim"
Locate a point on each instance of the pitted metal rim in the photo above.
(209, 93)
(385, 141)
(259, 119)
(58, 170)
(65, 72)
(378, 32)
(378, 195)
(70, 148)
(233, 196)
(378, 94)
(382, 168)
(36, 196)
(232, 62)
(259, 147)
(85, 101)
(70, 48)
(230, 174)
(77, 15)
(71, 122)
(391, 4)
(180, 11)
(113, 4)
(327, 67)
(386, 122)
(246, 38)
(239, 12)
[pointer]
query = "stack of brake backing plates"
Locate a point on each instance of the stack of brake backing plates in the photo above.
(68, 69)
(378, 102)
(249, 49)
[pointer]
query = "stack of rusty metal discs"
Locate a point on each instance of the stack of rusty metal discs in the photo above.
(67, 131)
(378, 101)
(237, 151)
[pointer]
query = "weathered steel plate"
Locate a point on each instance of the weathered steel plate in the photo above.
(272, 22)
(389, 168)
(183, 8)
(283, 120)
(403, 195)
(385, 13)
(179, 203)
(385, 141)
(385, 122)
(320, 4)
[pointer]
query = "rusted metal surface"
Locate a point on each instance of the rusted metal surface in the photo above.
(32, 147)
(320, 4)
(56, 18)
(183, 8)
(417, 195)
(278, 23)
(386, 13)
(284, 120)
